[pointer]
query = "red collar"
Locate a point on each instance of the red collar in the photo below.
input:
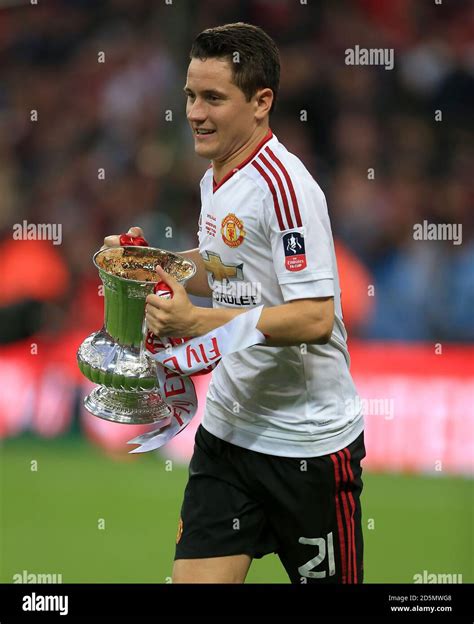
(265, 139)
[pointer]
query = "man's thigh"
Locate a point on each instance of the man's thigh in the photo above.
(232, 569)
(316, 515)
(222, 525)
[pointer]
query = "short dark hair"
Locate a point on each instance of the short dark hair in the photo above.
(258, 65)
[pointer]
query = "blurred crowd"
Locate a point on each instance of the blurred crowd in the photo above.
(93, 136)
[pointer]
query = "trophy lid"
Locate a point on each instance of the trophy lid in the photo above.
(138, 264)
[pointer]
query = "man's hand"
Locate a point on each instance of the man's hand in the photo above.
(170, 317)
(114, 240)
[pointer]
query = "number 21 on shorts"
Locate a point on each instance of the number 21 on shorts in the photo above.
(306, 569)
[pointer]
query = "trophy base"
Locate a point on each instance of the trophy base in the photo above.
(128, 408)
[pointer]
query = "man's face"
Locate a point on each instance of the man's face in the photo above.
(215, 103)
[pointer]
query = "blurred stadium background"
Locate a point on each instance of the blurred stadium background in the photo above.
(72, 502)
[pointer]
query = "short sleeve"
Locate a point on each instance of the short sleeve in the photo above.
(297, 225)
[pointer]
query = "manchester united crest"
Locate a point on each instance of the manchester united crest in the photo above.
(232, 230)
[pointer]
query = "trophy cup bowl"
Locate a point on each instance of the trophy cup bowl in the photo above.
(115, 357)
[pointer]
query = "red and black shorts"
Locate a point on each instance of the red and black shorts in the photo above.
(307, 510)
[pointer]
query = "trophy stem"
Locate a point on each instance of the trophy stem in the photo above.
(123, 316)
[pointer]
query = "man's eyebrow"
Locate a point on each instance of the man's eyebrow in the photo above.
(206, 92)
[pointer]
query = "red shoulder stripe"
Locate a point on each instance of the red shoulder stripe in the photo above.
(265, 175)
(290, 186)
(277, 177)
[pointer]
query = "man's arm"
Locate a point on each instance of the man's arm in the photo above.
(300, 321)
(308, 321)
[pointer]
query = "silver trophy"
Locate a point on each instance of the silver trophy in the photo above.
(115, 357)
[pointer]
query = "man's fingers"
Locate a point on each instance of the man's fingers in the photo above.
(136, 231)
(167, 278)
(153, 316)
(112, 241)
(158, 302)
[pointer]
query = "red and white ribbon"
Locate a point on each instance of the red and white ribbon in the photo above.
(178, 358)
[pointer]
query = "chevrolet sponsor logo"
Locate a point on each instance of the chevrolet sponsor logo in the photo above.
(221, 271)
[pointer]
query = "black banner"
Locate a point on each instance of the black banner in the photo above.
(403, 602)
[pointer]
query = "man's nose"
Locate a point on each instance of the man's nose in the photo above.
(196, 111)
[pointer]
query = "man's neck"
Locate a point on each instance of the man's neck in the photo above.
(222, 168)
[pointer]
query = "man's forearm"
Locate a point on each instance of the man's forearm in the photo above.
(304, 321)
(197, 285)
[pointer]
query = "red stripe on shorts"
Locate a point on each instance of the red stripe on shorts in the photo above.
(347, 518)
(340, 528)
(347, 454)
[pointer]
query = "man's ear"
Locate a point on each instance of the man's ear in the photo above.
(263, 103)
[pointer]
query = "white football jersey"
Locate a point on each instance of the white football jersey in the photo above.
(265, 237)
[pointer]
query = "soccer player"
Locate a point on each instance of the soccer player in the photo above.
(277, 459)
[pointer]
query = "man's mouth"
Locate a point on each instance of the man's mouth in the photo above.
(203, 131)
